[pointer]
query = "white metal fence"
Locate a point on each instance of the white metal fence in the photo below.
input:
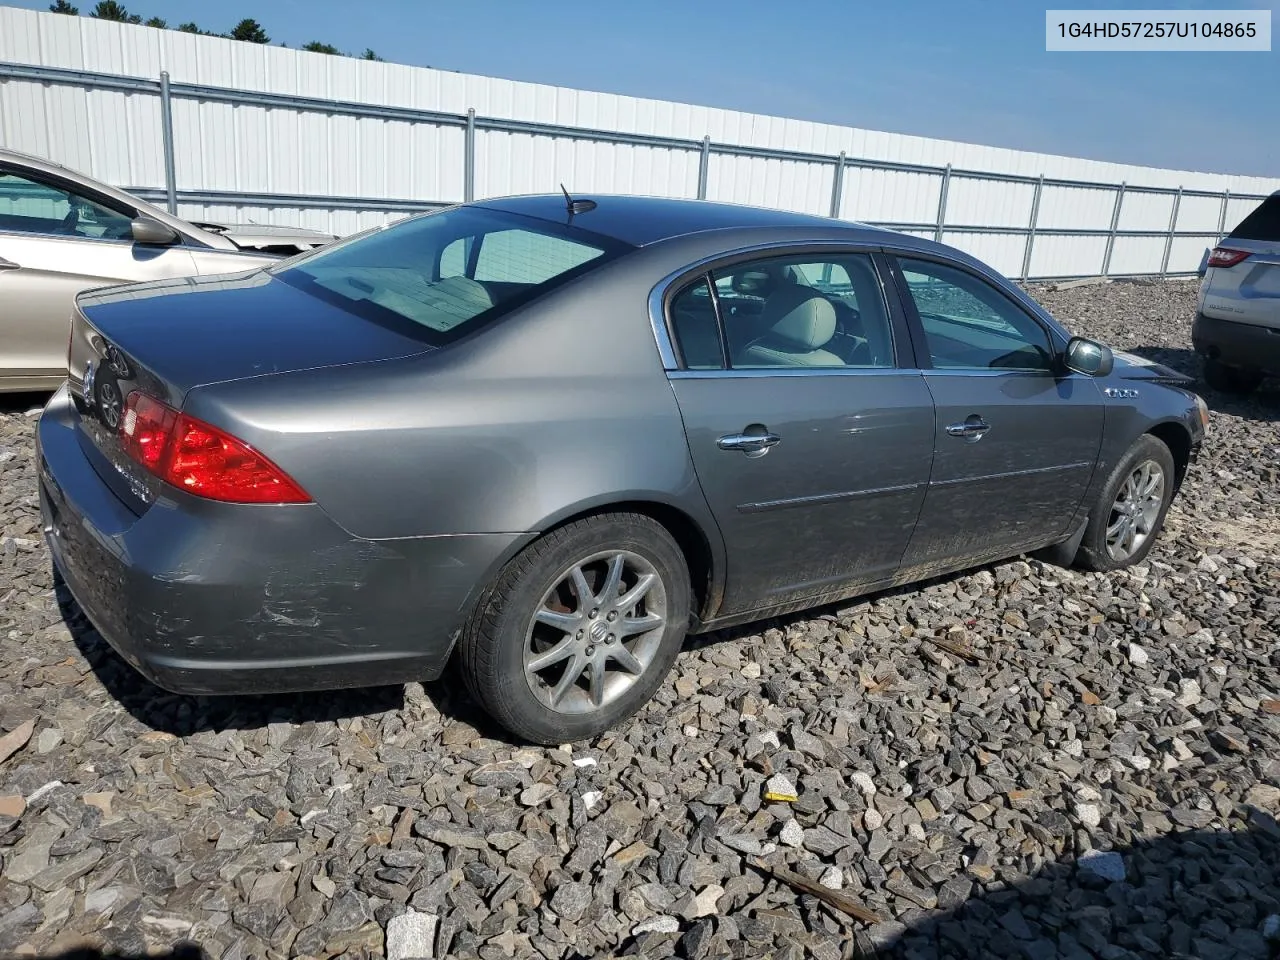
(223, 130)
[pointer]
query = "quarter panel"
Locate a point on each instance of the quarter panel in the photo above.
(561, 404)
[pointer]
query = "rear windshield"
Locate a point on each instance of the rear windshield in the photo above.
(445, 274)
(1262, 224)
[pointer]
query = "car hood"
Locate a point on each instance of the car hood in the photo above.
(256, 236)
(1130, 366)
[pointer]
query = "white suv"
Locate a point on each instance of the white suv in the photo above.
(1237, 325)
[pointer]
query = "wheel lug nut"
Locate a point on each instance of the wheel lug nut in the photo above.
(579, 636)
(613, 615)
(610, 638)
(593, 614)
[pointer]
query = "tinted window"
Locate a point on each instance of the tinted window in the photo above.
(418, 272)
(33, 206)
(969, 324)
(805, 312)
(693, 320)
(1262, 224)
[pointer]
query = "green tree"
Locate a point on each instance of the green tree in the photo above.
(369, 55)
(189, 27)
(316, 47)
(63, 7)
(250, 31)
(158, 22)
(111, 10)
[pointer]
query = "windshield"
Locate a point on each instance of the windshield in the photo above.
(444, 274)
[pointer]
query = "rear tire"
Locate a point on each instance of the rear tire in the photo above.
(1228, 379)
(1129, 512)
(578, 630)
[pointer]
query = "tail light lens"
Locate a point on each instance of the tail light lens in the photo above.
(1226, 257)
(199, 458)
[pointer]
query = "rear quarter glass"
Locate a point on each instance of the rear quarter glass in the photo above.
(444, 275)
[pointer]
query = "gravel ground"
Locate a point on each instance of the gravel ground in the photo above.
(1101, 781)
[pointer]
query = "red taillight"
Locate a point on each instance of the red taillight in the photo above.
(1226, 257)
(199, 458)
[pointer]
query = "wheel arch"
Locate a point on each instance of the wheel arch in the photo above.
(1175, 435)
(699, 541)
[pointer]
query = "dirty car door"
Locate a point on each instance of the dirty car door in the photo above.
(1017, 436)
(811, 444)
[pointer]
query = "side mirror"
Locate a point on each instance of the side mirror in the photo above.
(1085, 356)
(153, 232)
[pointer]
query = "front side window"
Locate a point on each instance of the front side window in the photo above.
(443, 274)
(36, 207)
(970, 325)
(804, 312)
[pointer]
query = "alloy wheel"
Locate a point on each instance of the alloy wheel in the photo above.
(1136, 510)
(596, 632)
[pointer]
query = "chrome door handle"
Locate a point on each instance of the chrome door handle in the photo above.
(9, 264)
(749, 443)
(973, 428)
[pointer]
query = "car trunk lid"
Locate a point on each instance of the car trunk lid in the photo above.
(169, 337)
(1249, 290)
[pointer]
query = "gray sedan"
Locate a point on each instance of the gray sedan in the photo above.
(553, 436)
(62, 232)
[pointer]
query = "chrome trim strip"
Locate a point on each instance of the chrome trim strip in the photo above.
(1012, 473)
(822, 498)
(754, 372)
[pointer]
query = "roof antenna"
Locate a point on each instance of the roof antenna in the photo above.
(576, 206)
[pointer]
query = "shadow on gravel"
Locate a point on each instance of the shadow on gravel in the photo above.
(181, 951)
(1262, 404)
(1212, 895)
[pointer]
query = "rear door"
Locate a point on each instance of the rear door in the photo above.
(1017, 438)
(811, 440)
(56, 241)
(1248, 291)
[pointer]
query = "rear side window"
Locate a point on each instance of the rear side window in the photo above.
(1262, 224)
(445, 274)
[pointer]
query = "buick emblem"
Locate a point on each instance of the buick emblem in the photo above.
(118, 364)
(109, 405)
(86, 391)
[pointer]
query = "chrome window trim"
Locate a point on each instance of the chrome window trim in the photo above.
(69, 238)
(757, 372)
(658, 295)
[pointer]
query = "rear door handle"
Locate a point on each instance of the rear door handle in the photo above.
(973, 428)
(9, 264)
(753, 444)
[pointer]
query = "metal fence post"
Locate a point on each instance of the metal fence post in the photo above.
(469, 158)
(1111, 234)
(704, 166)
(1222, 214)
(1031, 229)
(942, 203)
(837, 186)
(166, 136)
(1173, 225)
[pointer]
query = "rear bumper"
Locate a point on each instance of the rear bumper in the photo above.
(1237, 344)
(211, 598)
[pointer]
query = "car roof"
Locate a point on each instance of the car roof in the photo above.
(641, 221)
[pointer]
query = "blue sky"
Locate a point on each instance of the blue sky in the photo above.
(956, 69)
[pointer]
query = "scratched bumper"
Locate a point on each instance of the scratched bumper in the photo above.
(210, 598)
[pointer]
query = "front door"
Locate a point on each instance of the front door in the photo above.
(1016, 439)
(811, 444)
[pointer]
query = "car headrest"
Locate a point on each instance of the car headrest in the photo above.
(800, 316)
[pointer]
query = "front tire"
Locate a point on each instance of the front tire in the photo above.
(1229, 379)
(1130, 510)
(579, 629)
